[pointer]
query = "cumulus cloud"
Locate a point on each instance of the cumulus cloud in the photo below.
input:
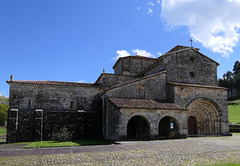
(214, 23)
(123, 53)
(81, 81)
(159, 53)
(138, 8)
(142, 53)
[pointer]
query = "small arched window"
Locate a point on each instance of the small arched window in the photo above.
(140, 92)
(191, 74)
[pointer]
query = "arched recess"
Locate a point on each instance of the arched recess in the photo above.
(207, 117)
(140, 92)
(168, 128)
(138, 128)
(192, 125)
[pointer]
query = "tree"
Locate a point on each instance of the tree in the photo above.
(236, 69)
(231, 80)
(3, 114)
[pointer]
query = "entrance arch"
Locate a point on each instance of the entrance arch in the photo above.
(207, 117)
(192, 129)
(138, 128)
(168, 128)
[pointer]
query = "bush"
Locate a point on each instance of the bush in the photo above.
(62, 135)
(3, 114)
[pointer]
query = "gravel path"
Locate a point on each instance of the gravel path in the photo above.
(191, 151)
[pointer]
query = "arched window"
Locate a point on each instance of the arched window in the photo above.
(140, 92)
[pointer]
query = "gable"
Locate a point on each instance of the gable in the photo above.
(151, 87)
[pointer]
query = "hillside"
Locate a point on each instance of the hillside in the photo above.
(3, 100)
(234, 111)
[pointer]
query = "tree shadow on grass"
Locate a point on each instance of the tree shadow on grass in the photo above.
(88, 142)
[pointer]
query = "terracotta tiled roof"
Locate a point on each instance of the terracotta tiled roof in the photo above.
(144, 103)
(52, 83)
(196, 85)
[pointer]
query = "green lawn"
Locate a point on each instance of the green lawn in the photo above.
(234, 111)
(82, 142)
(3, 131)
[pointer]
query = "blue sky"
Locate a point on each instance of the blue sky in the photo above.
(74, 40)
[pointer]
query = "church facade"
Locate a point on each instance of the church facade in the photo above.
(172, 96)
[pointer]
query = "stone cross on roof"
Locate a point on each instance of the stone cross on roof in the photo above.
(191, 41)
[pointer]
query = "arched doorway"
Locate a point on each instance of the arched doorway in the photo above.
(137, 128)
(192, 129)
(167, 128)
(207, 117)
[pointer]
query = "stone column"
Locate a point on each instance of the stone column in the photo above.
(38, 125)
(12, 125)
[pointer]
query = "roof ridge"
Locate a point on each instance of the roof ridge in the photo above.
(48, 82)
(196, 85)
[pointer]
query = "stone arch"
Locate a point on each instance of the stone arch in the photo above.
(168, 127)
(138, 128)
(207, 115)
(192, 125)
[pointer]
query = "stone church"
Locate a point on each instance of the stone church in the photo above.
(172, 96)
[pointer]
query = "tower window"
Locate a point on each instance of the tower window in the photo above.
(29, 103)
(192, 59)
(71, 104)
(191, 74)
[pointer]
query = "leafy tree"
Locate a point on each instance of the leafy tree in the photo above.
(236, 69)
(231, 80)
(3, 114)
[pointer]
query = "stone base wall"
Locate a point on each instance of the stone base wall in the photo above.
(234, 128)
(30, 125)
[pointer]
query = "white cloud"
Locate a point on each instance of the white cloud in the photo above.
(158, 1)
(150, 3)
(142, 53)
(124, 53)
(138, 8)
(121, 53)
(159, 53)
(213, 23)
(2, 93)
(150, 11)
(81, 81)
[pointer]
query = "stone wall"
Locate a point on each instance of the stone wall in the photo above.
(154, 88)
(52, 97)
(107, 80)
(29, 125)
(132, 65)
(187, 66)
(184, 95)
(153, 117)
(112, 116)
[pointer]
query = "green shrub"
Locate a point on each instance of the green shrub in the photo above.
(62, 135)
(3, 114)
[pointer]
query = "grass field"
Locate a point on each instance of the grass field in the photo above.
(82, 142)
(234, 111)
